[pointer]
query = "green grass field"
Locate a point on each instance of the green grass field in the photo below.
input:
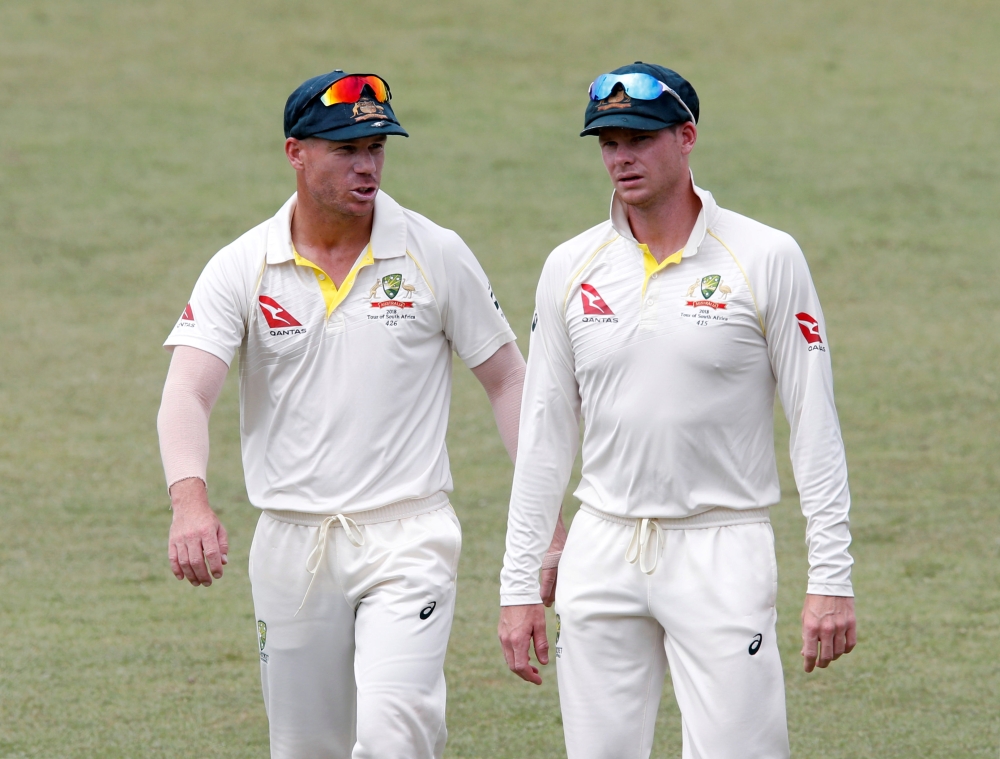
(136, 138)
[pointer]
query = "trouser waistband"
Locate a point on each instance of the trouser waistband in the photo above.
(392, 512)
(647, 542)
(720, 516)
(410, 507)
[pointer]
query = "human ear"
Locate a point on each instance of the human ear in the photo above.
(293, 152)
(688, 136)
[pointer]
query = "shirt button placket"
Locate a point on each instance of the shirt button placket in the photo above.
(647, 315)
(335, 323)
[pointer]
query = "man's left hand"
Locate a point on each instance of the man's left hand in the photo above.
(828, 630)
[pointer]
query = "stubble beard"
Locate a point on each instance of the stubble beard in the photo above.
(336, 202)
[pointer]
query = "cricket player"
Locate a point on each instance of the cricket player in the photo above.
(345, 308)
(667, 329)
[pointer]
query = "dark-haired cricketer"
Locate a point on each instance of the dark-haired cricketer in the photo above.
(667, 329)
(345, 308)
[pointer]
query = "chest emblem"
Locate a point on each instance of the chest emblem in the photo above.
(710, 286)
(391, 285)
(711, 307)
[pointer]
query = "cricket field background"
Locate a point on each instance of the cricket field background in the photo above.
(137, 138)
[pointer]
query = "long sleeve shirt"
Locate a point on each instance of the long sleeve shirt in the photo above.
(672, 367)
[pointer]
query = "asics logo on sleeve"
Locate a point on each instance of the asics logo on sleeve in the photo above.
(275, 314)
(809, 327)
(593, 303)
(428, 610)
(755, 644)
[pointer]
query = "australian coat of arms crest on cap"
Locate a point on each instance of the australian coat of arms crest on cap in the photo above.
(617, 99)
(366, 110)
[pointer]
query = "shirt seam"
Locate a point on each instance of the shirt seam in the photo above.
(579, 272)
(760, 319)
(427, 280)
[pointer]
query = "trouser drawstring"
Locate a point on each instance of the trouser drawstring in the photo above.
(638, 547)
(315, 559)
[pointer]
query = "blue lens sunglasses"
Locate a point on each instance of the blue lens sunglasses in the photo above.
(638, 86)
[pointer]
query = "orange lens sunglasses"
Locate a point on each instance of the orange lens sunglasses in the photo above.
(348, 89)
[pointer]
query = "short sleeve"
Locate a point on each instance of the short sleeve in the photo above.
(473, 321)
(215, 318)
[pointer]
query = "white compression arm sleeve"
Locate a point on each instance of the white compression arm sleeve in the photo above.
(193, 384)
(502, 376)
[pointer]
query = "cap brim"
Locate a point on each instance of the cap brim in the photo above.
(625, 121)
(364, 129)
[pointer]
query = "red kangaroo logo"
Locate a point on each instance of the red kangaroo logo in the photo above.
(275, 314)
(809, 327)
(593, 303)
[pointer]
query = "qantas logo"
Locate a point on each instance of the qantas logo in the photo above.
(276, 315)
(810, 331)
(187, 318)
(278, 319)
(594, 307)
(593, 303)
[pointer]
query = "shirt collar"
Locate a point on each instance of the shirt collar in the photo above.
(388, 230)
(706, 217)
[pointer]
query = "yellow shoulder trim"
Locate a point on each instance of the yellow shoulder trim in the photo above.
(422, 273)
(745, 278)
(579, 271)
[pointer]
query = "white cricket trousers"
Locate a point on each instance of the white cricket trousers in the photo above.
(359, 672)
(704, 604)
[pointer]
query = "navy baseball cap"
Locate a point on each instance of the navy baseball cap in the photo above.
(369, 113)
(640, 96)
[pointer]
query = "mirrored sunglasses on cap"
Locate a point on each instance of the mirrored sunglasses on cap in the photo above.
(638, 86)
(349, 89)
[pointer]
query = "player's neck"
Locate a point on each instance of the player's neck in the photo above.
(665, 224)
(330, 240)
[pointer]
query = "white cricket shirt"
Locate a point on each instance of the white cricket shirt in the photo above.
(673, 368)
(344, 392)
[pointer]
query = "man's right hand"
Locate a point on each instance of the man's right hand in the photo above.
(519, 626)
(199, 546)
